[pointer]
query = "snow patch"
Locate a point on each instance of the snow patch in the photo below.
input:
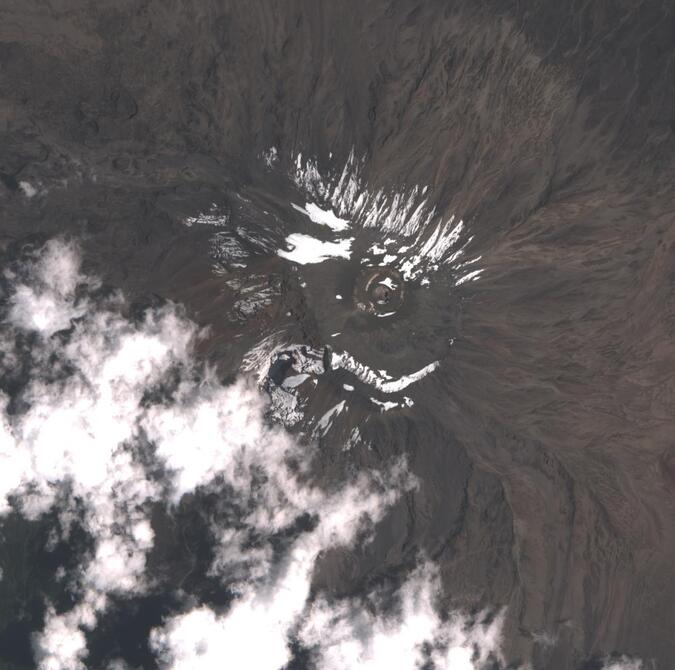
(327, 419)
(379, 379)
(324, 217)
(28, 189)
(305, 249)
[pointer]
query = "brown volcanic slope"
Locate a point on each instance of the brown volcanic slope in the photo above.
(548, 462)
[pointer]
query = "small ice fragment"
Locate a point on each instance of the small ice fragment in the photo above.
(28, 189)
(271, 156)
(386, 405)
(327, 419)
(389, 283)
(472, 276)
(293, 381)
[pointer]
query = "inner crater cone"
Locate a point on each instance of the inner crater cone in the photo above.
(379, 290)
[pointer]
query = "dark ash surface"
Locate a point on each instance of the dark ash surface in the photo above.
(545, 443)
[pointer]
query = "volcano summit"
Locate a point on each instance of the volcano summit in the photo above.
(337, 335)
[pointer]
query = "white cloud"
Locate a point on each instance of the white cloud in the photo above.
(220, 430)
(348, 635)
(62, 643)
(255, 632)
(48, 303)
(78, 433)
(73, 442)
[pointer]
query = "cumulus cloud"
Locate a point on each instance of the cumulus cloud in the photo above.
(256, 630)
(46, 303)
(345, 635)
(86, 411)
(105, 403)
(71, 442)
(349, 635)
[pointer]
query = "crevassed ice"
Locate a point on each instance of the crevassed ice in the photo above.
(431, 241)
(379, 379)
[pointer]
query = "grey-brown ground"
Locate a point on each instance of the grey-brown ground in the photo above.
(546, 447)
